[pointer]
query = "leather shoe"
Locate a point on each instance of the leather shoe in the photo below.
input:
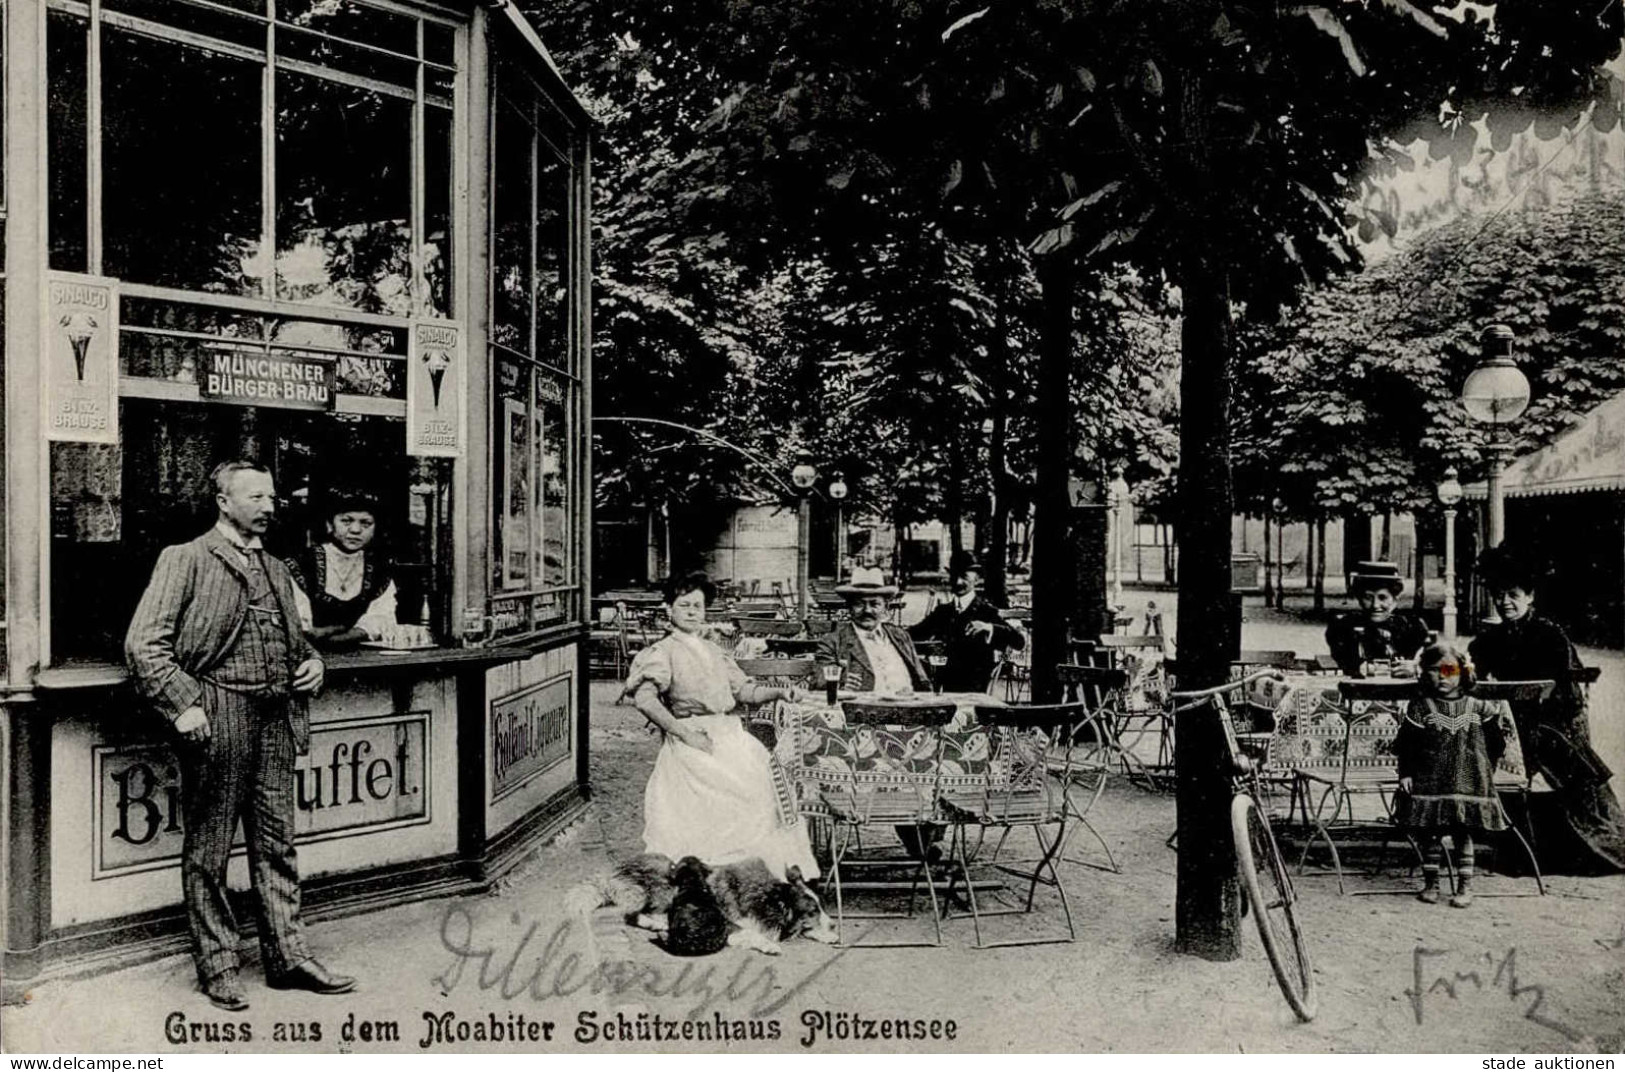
(226, 991)
(310, 975)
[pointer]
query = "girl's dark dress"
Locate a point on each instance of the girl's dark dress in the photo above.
(1449, 748)
(1581, 828)
(310, 574)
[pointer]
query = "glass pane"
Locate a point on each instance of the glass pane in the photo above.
(553, 485)
(179, 316)
(342, 57)
(65, 139)
(161, 357)
(363, 340)
(439, 44)
(510, 227)
(552, 260)
(193, 222)
(439, 85)
(353, 22)
(87, 538)
(511, 564)
(344, 196)
(2, 447)
(2, 179)
(437, 232)
(250, 33)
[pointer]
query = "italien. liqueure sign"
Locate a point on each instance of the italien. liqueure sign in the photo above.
(80, 377)
(434, 390)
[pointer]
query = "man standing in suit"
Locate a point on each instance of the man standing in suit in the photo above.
(972, 633)
(215, 645)
(876, 656)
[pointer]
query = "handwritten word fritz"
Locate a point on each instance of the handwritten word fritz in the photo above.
(1434, 985)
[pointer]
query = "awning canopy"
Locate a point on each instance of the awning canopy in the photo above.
(1590, 456)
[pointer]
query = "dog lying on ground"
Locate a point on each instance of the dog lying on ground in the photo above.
(683, 902)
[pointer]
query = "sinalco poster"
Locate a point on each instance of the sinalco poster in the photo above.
(80, 358)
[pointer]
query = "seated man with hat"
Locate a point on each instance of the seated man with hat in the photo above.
(874, 654)
(971, 629)
(1377, 631)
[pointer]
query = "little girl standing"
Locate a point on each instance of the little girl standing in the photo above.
(1447, 747)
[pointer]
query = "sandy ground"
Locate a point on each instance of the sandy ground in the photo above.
(1516, 972)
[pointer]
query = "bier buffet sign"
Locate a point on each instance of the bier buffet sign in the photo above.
(80, 377)
(246, 376)
(361, 776)
(434, 389)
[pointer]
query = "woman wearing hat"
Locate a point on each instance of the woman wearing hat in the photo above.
(1580, 827)
(344, 589)
(1377, 631)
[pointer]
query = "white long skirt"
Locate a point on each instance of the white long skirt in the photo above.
(721, 807)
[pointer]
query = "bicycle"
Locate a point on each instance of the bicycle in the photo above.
(1259, 865)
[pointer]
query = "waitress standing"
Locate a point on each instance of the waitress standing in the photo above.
(345, 591)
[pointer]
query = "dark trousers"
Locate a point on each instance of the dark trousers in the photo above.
(244, 770)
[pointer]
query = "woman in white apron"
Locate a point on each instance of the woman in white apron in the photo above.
(715, 793)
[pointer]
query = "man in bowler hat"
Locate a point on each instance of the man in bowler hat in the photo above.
(972, 632)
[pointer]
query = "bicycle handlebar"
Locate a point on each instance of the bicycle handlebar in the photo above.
(1230, 686)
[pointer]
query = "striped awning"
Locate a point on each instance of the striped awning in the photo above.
(1590, 456)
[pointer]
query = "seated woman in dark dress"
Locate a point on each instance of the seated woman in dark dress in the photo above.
(1377, 632)
(345, 591)
(1579, 827)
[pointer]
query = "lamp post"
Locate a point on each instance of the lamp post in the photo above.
(837, 493)
(1278, 508)
(1117, 498)
(1496, 393)
(1449, 492)
(803, 476)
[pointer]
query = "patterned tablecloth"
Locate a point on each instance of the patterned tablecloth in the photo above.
(817, 750)
(1311, 726)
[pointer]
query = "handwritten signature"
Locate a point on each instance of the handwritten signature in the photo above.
(554, 969)
(1499, 974)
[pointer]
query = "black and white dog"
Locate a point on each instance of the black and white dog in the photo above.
(699, 909)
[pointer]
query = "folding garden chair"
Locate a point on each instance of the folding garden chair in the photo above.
(880, 770)
(1028, 786)
(778, 672)
(1144, 725)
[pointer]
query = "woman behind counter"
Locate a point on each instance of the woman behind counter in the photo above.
(715, 792)
(1584, 830)
(345, 593)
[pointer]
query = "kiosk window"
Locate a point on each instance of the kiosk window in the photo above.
(536, 390)
(194, 222)
(359, 109)
(113, 508)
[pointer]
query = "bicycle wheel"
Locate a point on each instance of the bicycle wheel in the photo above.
(1270, 894)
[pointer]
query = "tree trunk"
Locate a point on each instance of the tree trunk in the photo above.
(1052, 568)
(1269, 561)
(954, 506)
(1280, 565)
(1387, 535)
(1320, 563)
(1356, 540)
(998, 540)
(1207, 902)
